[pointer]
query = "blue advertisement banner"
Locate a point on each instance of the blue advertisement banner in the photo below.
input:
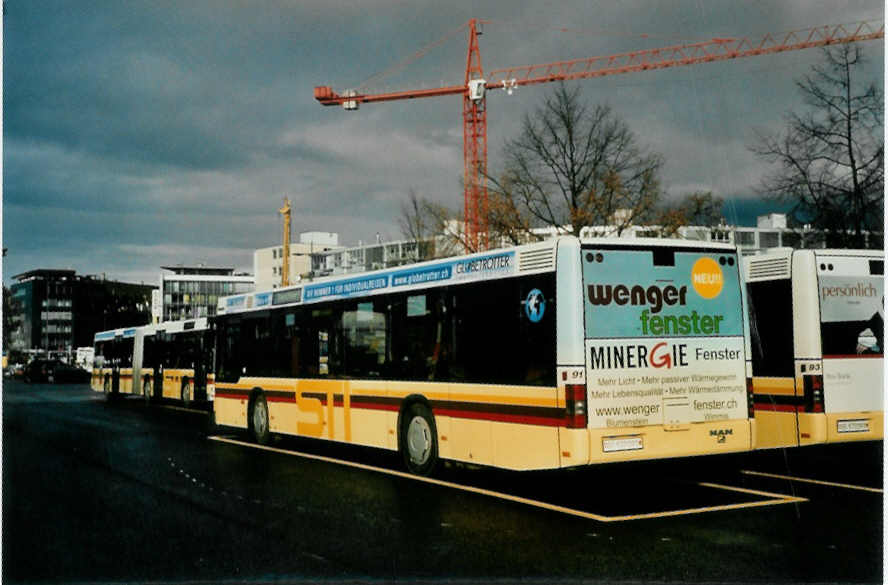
(344, 288)
(422, 275)
(262, 299)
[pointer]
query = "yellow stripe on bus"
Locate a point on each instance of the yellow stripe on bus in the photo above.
(778, 386)
(432, 391)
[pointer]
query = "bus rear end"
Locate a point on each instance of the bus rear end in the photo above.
(850, 287)
(665, 359)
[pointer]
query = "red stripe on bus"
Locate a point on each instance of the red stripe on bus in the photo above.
(778, 407)
(503, 417)
(550, 417)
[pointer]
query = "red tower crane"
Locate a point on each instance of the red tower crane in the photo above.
(475, 84)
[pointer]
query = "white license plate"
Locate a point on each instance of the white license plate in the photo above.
(611, 444)
(853, 426)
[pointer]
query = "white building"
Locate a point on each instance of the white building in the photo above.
(771, 232)
(268, 262)
(193, 291)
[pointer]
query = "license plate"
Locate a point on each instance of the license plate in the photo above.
(853, 426)
(611, 444)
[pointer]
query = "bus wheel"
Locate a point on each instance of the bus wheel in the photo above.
(186, 392)
(146, 389)
(259, 420)
(419, 439)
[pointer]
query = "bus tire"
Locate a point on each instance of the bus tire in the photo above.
(418, 439)
(146, 389)
(258, 421)
(186, 392)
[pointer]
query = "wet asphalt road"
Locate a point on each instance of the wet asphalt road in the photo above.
(97, 491)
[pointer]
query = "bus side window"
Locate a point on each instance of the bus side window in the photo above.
(228, 342)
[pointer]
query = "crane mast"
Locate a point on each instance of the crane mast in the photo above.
(285, 268)
(475, 87)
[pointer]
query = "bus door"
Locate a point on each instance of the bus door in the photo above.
(116, 352)
(202, 356)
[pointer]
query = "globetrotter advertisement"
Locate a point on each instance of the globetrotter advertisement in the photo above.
(664, 341)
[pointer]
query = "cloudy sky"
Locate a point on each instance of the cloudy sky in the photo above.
(144, 133)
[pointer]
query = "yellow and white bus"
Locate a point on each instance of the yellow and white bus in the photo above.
(177, 361)
(816, 324)
(557, 354)
(112, 371)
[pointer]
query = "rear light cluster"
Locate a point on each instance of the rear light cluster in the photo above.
(813, 386)
(750, 398)
(575, 406)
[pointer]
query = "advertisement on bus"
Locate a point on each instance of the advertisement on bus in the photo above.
(852, 311)
(664, 337)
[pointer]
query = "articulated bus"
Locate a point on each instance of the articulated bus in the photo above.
(817, 344)
(177, 361)
(557, 354)
(113, 361)
(172, 360)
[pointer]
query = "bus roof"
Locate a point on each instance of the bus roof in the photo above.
(532, 258)
(197, 324)
(112, 333)
(658, 243)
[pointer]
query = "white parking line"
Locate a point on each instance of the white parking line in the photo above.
(774, 499)
(814, 481)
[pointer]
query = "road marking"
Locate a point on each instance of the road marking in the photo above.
(814, 481)
(181, 409)
(774, 499)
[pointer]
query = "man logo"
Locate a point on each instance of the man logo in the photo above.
(721, 435)
(535, 305)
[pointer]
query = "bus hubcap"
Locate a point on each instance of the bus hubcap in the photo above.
(419, 440)
(260, 418)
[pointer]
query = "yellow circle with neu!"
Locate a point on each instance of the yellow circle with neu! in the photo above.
(707, 278)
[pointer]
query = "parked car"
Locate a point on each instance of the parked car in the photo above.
(54, 372)
(14, 371)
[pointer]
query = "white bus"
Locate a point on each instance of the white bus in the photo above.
(171, 360)
(112, 371)
(557, 354)
(177, 361)
(816, 323)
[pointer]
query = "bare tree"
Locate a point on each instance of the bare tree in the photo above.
(414, 221)
(424, 221)
(572, 166)
(830, 159)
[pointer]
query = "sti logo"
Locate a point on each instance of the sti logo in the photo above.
(535, 305)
